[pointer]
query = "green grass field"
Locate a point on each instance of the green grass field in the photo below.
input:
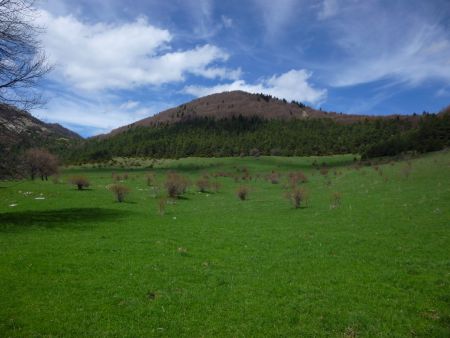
(78, 263)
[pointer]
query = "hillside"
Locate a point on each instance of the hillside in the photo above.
(228, 104)
(18, 126)
(19, 130)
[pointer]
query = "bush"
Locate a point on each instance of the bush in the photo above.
(324, 171)
(297, 197)
(203, 185)
(120, 191)
(242, 193)
(297, 177)
(336, 198)
(162, 206)
(274, 177)
(80, 181)
(176, 185)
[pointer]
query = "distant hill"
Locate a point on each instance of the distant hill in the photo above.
(18, 126)
(19, 130)
(239, 103)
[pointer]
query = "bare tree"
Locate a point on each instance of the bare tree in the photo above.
(40, 162)
(22, 59)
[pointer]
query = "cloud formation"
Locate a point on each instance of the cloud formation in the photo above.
(292, 85)
(378, 42)
(122, 56)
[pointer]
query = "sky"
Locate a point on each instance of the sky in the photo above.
(117, 61)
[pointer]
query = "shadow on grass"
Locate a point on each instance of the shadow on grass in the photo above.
(76, 218)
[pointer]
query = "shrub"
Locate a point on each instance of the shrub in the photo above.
(324, 171)
(297, 177)
(80, 181)
(274, 177)
(119, 190)
(242, 193)
(336, 198)
(162, 205)
(203, 185)
(176, 185)
(297, 196)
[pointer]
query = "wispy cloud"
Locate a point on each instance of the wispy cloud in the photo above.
(328, 9)
(277, 15)
(388, 42)
(292, 85)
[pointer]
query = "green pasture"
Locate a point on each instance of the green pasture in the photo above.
(78, 263)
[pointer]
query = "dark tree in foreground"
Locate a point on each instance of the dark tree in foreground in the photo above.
(40, 162)
(22, 60)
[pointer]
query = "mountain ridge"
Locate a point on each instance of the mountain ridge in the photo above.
(235, 103)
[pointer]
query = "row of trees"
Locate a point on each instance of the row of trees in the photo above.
(251, 135)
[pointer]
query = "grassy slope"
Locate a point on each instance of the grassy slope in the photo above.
(78, 263)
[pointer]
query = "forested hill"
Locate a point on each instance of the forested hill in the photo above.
(239, 103)
(252, 135)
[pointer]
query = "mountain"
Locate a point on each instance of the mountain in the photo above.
(19, 130)
(18, 127)
(239, 103)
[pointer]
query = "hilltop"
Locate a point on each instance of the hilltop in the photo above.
(227, 105)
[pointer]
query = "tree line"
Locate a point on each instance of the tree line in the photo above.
(237, 136)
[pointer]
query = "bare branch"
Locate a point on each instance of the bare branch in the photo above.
(22, 60)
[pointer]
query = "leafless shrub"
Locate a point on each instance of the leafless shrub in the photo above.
(336, 198)
(297, 177)
(274, 177)
(297, 197)
(324, 171)
(119, 190)
(80, 181)
(242, 193)
(176, 185)
(203, 185)
(246, 174)
(162, 202)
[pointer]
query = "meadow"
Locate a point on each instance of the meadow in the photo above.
(368, 253)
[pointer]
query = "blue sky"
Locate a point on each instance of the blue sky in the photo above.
(116, 62)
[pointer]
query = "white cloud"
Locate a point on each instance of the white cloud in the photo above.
(292, 85)
(104, 56)
(378, 42)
